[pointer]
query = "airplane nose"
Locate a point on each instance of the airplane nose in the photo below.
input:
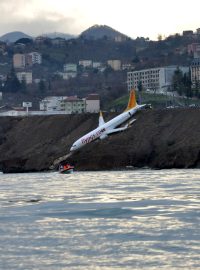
(72, 148)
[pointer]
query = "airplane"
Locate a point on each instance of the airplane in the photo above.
(106, 128)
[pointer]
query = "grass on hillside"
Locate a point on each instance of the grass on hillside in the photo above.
(156, 101)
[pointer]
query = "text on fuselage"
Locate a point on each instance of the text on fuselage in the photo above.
(92, 137)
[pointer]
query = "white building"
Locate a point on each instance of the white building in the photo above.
(71, 104)
(96, 64)
(114, 64)
(52, 103)
(157, 79)
(36, 58)
(70, 68)
(85, 63)
(25, 76)
(70, 71)
(92, 103)
(67, 75)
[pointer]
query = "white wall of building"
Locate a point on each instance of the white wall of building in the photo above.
(92, 103)
(71, 104)
(52, 103)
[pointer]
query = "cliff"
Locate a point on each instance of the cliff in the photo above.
(158, 139)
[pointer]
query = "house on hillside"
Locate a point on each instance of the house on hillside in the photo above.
(114, 64)
(25, 76)
(52, 103)
(194, 50)
(85, 63)
(73, 105)
(92, 103)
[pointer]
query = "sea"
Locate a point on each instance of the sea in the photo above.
(136, 219)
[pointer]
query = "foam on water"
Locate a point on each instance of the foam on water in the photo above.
(139, 219)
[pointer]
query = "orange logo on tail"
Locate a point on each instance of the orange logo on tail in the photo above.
(132, 100)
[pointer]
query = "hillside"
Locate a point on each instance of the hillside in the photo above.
(59, 35)
(14, 36)
(158, 139)
(101, 31)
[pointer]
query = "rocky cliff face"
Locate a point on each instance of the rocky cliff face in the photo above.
(158, 139)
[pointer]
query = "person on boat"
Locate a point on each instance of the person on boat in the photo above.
(60, 167)
(66, 166)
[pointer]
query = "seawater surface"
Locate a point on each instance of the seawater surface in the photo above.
(141, 219)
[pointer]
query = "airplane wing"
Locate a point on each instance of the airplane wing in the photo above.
(101, 120)
(115, 130)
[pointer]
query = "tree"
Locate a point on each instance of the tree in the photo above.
(187, 85)
(160, 37)
(23, 86)
(140, 88)
(182, 83)
(197, 88)
(42, 86)
(177, 81)
(12, 83)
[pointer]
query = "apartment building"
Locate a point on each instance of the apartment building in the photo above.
(25, 76)
(19, 60)
(157, 79)
(24, 60)
(195, 71)
(36, 58)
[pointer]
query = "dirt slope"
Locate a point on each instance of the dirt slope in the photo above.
(158, 139)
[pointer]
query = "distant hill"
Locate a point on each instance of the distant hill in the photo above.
(14, 36)
(59, 35)
(102, 31)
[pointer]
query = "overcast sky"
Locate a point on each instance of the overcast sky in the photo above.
(146, 18)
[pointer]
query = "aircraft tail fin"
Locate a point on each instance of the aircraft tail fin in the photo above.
(132, 101)
(101, 120)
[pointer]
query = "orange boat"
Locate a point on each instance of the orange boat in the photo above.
(66, 168)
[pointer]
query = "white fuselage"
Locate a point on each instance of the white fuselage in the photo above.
(105, 129)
